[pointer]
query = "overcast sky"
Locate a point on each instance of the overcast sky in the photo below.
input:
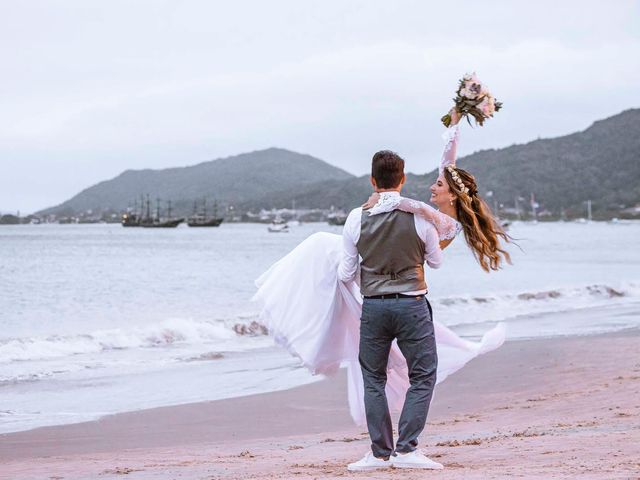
(89, 89)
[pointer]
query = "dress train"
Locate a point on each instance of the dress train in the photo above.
(316, 317)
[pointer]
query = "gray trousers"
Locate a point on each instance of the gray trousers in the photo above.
(409, 321)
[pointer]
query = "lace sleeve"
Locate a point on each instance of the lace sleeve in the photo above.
(385, 204)
(446, 226)
(450, 148)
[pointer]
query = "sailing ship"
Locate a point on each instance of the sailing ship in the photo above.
(158, 221)
(130, 220)
(202, 219)
(133, 219)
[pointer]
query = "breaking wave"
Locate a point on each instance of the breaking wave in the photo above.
(475, 309)
(163, 334)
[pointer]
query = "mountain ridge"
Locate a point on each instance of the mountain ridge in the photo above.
(562, 172)
(600, 163)
(233, 180)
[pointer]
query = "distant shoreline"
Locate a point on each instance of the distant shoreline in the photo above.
(227, 222)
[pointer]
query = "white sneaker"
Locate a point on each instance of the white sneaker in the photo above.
(368, 462)
(414, 459)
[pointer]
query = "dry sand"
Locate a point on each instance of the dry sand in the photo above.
(555, 408)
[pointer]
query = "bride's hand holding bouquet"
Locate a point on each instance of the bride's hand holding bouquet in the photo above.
(474, 99)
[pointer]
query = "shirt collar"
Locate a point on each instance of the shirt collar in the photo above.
(389, 194)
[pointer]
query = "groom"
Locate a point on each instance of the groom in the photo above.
(391, 249)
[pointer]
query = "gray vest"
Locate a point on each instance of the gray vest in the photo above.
(392, 254)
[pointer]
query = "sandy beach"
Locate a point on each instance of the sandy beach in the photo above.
(546, 408)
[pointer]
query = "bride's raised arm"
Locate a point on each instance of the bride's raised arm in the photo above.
(450, 148)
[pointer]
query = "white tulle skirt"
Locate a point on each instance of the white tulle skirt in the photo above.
(315, 316)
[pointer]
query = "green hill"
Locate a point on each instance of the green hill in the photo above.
(234, 180)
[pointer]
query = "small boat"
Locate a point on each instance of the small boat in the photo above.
(336, 218)
(278, 226)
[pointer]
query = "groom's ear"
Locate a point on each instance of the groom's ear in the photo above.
(373, 182)
(404, 179)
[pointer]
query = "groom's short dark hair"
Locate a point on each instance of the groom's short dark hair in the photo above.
(387, 169)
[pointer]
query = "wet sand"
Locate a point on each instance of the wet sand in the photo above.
(546, 408)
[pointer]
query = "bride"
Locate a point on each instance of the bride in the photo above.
(316, 317)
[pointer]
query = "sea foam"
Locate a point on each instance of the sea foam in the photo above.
(163, 334)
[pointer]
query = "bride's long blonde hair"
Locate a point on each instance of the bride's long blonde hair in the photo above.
(481, 229)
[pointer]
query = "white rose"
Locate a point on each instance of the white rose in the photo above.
(470, 90)
(471, 77)
(467, 94)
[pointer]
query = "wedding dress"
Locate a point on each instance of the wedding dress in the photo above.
(316, 317)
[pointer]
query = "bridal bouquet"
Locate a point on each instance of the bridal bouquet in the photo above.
(473, 98)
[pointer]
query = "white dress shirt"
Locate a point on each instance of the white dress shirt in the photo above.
(350, 260)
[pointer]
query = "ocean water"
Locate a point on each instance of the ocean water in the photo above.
(98, 319)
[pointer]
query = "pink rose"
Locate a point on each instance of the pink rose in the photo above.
(487, 106)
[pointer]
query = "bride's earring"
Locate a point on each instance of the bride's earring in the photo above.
(451, 202)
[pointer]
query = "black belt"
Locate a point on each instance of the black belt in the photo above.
(396, 295)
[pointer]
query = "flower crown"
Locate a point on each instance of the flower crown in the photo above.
(457, 179)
